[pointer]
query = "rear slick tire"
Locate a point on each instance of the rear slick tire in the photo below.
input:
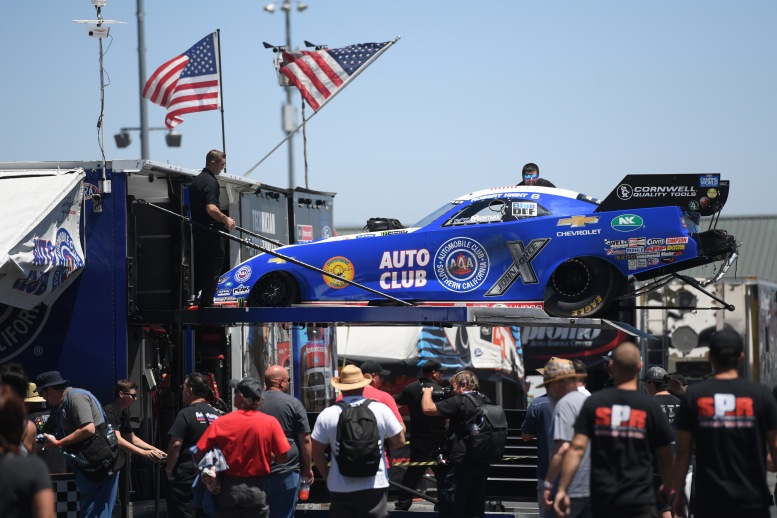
(582, 287)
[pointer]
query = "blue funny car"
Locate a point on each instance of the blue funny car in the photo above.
(539, 247)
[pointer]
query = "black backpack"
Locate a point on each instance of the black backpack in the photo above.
(486, 432)
(359, 452)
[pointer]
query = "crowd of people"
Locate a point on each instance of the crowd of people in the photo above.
(647, 446)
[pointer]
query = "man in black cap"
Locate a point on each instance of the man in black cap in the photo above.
(428, 432)
(76, 417)
(733, 423)
(249, 440)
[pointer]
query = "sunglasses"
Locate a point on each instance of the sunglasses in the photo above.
(130, 394)
(533, 175)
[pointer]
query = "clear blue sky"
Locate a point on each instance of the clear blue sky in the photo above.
(590, 91)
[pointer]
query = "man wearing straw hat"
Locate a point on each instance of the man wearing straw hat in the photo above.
(365, 496)
(560, 379)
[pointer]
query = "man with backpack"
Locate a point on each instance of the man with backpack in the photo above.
(476, 437)
(356, 430)
(77, 424)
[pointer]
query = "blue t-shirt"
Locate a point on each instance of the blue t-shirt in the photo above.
(539, 422)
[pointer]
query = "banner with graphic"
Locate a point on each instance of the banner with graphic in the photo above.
(404, 349)
(40, 238)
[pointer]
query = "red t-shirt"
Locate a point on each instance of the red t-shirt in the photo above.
(247, 438)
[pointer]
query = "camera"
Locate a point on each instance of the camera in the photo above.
(442, 393)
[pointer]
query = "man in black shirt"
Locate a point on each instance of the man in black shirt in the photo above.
(657, 385)
(189, 425)
(463, 484)
(117, 414)
(428, 432)
(209, 246)
(531, 177)
(626, 430)
(733, 423)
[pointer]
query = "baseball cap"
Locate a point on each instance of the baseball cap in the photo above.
(656, 375)
(248, 387)
(431, 366)
(371, 367)
(726, 343)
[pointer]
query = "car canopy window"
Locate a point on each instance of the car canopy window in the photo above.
(497, 210)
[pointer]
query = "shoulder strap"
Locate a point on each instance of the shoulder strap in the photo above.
(90, 396)
(475, 401)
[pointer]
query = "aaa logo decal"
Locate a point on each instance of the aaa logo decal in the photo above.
(340, 266)
(461, 264)
(243, 274)
(627, 223)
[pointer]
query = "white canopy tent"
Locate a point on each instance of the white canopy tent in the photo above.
(40, 237)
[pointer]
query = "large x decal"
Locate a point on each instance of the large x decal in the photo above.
(521, 267)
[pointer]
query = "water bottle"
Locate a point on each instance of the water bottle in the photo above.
(304, 489)
(110, 436)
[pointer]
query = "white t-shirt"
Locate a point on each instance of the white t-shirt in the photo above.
(325, 432)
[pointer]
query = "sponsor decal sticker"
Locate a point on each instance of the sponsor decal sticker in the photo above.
(521, 267)
(243, 273)
(627, 223)
(223, 293)
(616, 243)
(637, 241)
(461, 264)
(709, 180)
(676, 240)
(625, 191)
(524, 209)
(304, 233)
(693, 205)
(675, 247)
(405, 269)
(577, 221)
(655, 249)
(655, 241)
(712, 193)
(241, 290)
(340, 266)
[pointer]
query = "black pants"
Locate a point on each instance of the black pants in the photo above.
(209, 252)
(463, 490)
(418, 453)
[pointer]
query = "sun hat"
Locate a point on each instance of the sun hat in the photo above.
(558, 369)
(32, 394)
(351, 377)
(49, 379)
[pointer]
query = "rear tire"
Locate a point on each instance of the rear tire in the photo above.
(274, 290)
(582, 287)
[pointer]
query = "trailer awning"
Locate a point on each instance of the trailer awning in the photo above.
(40, 235)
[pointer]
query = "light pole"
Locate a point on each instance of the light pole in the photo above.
(287, 113)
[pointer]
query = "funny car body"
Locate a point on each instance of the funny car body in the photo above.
(548, 248)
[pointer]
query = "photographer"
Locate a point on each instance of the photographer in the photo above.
(463, 485)
(428, 432)
(78, 420)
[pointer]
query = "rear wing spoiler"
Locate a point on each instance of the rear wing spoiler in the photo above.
(702, 193)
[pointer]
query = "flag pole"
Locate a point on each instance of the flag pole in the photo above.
(342, 87)
(221, 95)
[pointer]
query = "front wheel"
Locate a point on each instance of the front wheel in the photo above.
(274, 290)
(582, 287)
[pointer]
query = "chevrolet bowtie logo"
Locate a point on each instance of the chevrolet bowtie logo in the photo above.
(577, 221)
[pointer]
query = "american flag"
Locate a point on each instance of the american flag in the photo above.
(187, 83)
(318, 74)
